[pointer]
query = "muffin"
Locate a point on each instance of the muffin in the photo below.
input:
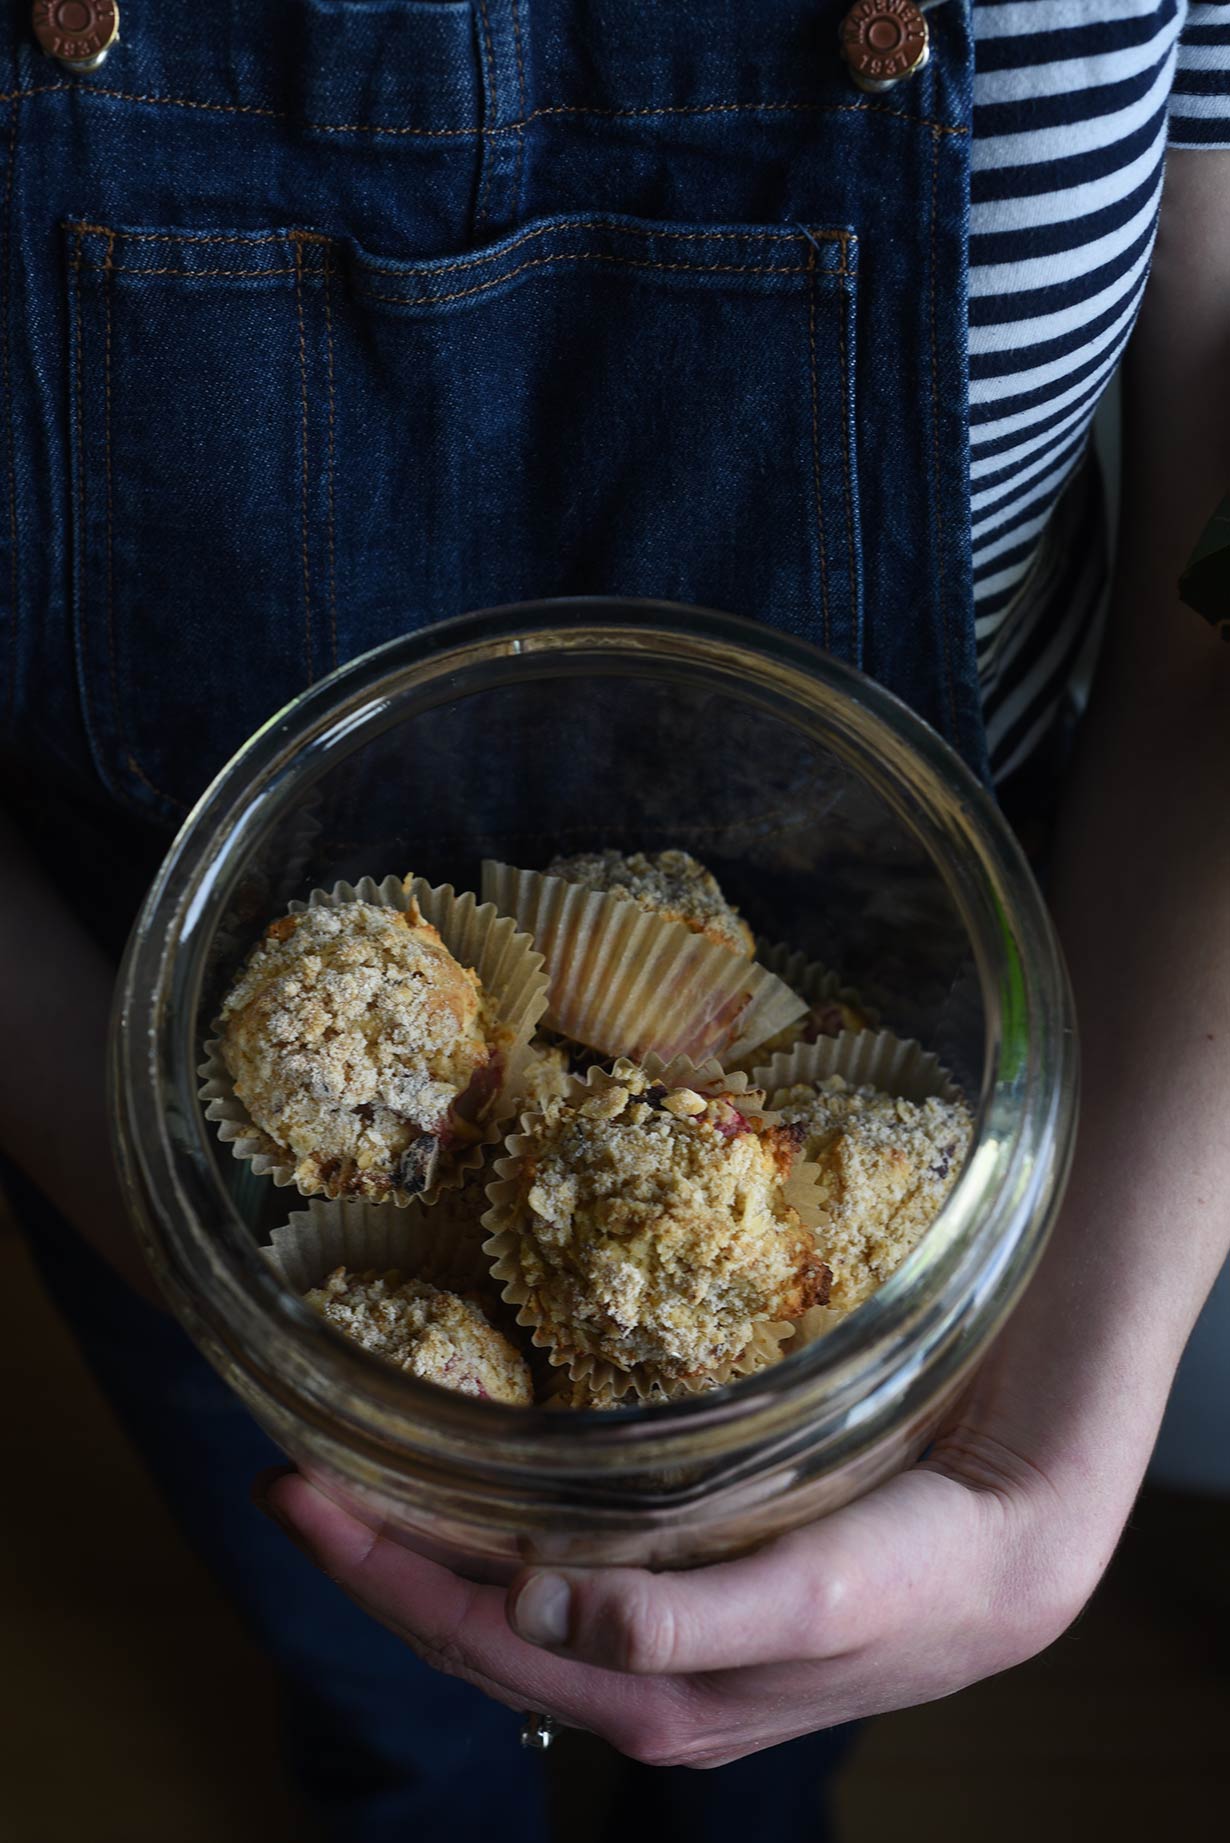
(361, 1049)
(437, 1336)
(649, 1225)
(671, 884)
(885, 1167)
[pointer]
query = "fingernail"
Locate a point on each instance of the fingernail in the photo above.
(259, 1488)
(541, 1610)
(260, 1500)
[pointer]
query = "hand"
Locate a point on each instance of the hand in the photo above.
(969, 1563)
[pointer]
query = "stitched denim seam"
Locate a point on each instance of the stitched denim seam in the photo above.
(79, 482)
(5, 299)
(937, 497)
(119, 268)
(695, 268)
(516, 17)
(470, 134)
(480, 212)
(79, 522)
(698, 268)
(815, 444)
(751, 235)
(174, 236)
(627, 230)
(626, 262)
(110, 571)
(330, 475)
(118, 711)
(847, 468)
(303, 507)
(761, 108)
(486, 258)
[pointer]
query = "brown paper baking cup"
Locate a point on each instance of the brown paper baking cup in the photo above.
(590, 1369)
(511, 973)
(633, 984)
(863, 1059)
(360, 1236)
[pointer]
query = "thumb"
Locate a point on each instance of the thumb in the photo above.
(906, 1551)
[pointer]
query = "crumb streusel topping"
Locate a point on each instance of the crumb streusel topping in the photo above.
(886, 1165)
(350, 1033)
(655, 1229)
(439, 1337)
(545, 1077)
(672, 884)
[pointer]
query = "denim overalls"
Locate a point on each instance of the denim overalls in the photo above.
(327, 318)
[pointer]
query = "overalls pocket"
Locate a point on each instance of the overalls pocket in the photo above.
(285, 450)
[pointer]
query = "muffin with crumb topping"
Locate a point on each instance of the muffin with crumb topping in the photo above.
(437, 1336)
(361, 1049)
(885, 1167)
(671, 884)
(651, 1226)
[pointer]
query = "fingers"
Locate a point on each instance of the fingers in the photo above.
(454, 1625)
(892, 1559)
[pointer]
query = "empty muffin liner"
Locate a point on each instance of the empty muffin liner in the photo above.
(421, 1243)
(632, 984)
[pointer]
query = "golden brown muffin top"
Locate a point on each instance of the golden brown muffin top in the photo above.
(655, 1228)
(350, 1033)
(437, 1336)
(886, 1166)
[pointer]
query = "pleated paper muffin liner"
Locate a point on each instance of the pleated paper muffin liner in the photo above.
(633, 984)
(590, 1368)
(415, 1244)
(511, 974)
(422, 1244)
(863, 1058)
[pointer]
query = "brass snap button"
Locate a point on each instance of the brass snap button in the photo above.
(883, 41)
(78, 32)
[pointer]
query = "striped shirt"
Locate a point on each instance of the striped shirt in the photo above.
(1074, 101)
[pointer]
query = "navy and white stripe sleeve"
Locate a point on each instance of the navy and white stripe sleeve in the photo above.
(1200, 98)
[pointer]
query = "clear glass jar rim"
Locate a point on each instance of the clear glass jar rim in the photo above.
(983, 1246)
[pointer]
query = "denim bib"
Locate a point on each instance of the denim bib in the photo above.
(326, 319)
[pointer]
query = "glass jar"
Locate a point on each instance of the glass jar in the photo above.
(839, 823)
